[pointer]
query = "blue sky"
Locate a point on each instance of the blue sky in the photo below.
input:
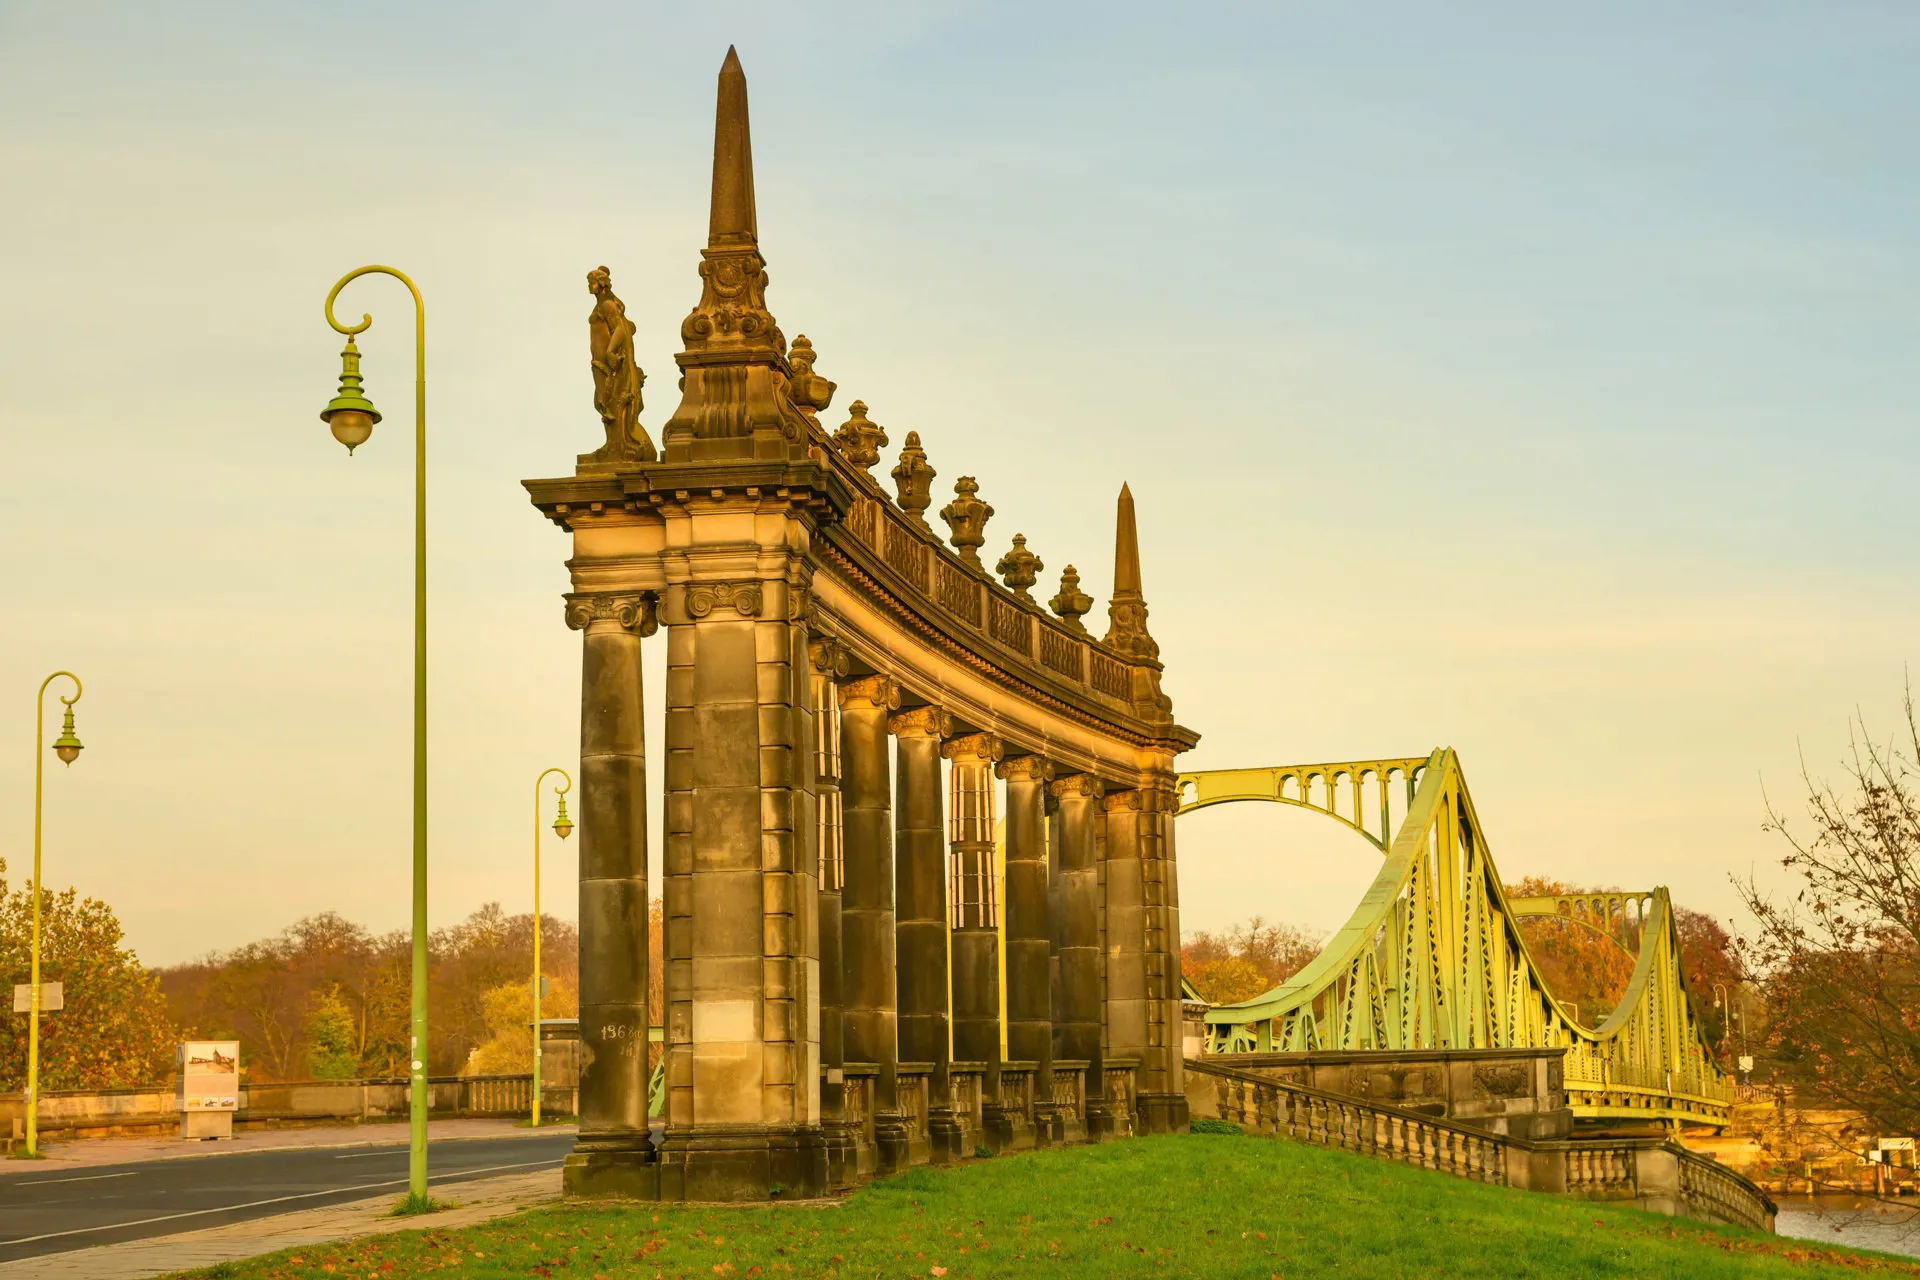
(1532, 380)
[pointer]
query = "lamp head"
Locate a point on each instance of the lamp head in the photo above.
(350, 414)
(562, 824)
(67, 746)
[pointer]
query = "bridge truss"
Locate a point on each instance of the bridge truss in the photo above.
(1433, 958)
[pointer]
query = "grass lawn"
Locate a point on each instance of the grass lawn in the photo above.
(1190, 1205)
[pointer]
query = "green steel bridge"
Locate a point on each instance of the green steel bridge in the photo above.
(1432, 958)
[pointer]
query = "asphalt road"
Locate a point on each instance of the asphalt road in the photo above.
(46, 1211)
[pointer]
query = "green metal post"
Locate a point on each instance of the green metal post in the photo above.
(33, 975)
(417, 1059)
(560, 790)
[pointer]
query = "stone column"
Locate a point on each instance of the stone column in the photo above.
(920, 916)
(1076, 940)
(743, 1064)
(1126, 941)
(1162, 1098)
(975, 920)
(869, 1016)
(829, 663)
(1028, 944)
(613, 1156)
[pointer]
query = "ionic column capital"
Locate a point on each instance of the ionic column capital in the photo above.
(920, 722)
(636, 611)
(1084, 786)
(829, 657)
(878, 692)
(1026, 769)
(1123, 801)
(743, 598)
(979, 748)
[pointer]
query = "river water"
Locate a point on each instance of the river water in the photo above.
(1853, 1221)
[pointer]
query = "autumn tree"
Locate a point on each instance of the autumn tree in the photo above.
(263, 993)
(508, 1049)
(114, 1031)
(326, 997)
(331, 1051)
(1585, 970)
(1840, 958)
(1245, 960)
(1716, 974)
(488, 950)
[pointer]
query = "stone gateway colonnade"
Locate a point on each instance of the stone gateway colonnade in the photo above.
(836, 917)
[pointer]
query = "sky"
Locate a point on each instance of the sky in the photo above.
(1532, 380)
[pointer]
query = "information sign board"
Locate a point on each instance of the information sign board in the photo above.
(210, 1075)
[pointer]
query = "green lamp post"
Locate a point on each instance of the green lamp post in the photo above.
(67, 747)
(351, 417)
(562, 827)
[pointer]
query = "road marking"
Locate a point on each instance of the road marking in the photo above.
(254, 1204)
(93, 1177)
(368, 1155)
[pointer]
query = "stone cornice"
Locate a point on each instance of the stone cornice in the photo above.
(822, 491)
(1027, 681)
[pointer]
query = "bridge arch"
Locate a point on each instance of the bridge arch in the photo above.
(1359, 794)
(1432, 957)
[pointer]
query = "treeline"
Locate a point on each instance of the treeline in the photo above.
(1246, 960)
(329, 999)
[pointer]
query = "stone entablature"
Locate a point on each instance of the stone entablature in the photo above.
(885, 582)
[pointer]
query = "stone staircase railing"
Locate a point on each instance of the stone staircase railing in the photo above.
(1651, 1173)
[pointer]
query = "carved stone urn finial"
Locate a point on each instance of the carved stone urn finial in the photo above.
(1020, 568)
(967, 516)
(914, 477)
(860, 439)
(1072, 603)
(810, 392)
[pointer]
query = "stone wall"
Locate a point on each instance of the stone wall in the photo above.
(155, 1110)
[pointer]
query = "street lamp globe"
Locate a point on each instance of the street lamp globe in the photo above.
(351, 427)
(350, 414)
(67, 746)
(563, 825)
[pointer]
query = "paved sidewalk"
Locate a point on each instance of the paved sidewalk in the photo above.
(78, 1153)
(477, 1201)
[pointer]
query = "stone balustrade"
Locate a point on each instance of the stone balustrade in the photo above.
(1649, 1173)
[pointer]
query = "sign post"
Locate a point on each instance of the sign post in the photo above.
(209, 1088)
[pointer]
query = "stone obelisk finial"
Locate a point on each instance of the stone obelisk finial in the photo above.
(1127, 610)
(731, 219)
(736, 402)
